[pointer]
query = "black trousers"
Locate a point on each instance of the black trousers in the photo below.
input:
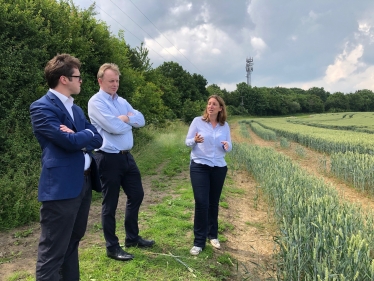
(118, 170)
(207, 183)
(63, 224)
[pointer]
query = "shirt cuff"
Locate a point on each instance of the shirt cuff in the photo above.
(91, 132)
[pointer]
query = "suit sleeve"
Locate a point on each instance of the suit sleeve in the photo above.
(97, 140)
(46, 121)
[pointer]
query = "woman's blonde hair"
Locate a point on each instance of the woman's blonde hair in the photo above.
(222, 115)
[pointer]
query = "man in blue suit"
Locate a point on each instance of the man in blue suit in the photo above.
(68, 171)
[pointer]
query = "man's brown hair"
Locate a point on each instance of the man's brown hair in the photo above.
(60, 65)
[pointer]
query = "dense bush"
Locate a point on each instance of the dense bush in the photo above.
(32, 32)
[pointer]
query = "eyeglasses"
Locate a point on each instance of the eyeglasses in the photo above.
(77, 76)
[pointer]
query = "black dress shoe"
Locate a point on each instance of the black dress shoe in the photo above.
(119, 254)
(141, 243)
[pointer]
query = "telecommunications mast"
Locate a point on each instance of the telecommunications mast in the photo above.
(249, 69)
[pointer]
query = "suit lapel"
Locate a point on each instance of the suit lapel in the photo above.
(77, 118)
(57, 102)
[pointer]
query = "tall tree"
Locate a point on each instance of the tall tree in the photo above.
(200, 87)
(315, 104)
(139, 59)
(214, 89)
(361, 100)
(319, 92)
(337, 102)
(170, 96)
(180, 77)
(255, 99)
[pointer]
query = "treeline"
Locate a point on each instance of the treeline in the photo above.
(33, 31)
(283, 101)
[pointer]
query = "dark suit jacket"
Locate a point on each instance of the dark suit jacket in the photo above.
(62, 156)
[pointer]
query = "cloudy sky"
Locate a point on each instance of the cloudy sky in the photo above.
(293, 43)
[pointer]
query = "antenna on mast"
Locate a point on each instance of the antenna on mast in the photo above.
(249, 69)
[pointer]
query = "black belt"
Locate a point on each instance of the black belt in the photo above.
(120, 152)
(87, 172)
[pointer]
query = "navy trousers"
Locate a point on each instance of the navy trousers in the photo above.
(118, 170)
(207, 183)
(63, 224)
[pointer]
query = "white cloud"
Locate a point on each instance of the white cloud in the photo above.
(216, 37)
(365, 30)
(311, 18)
(258, 45)
(346, 75)
(365, 80)
(204, 15)
(216, 51)
(185, 7)
(198, 42)
(228, 86)
(364, 27)
(250, 8)
(345, 64)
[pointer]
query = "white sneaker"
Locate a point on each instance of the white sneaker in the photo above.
(215, 243)
(195, 250)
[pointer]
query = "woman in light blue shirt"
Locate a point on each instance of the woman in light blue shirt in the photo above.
(209, 137)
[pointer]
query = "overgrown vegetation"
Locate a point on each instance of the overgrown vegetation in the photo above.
(34, 31)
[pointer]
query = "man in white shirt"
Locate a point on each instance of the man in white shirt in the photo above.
(114, 119)
(67, 140)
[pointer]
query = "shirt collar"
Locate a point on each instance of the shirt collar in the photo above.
(107, 96)
(64, 99)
